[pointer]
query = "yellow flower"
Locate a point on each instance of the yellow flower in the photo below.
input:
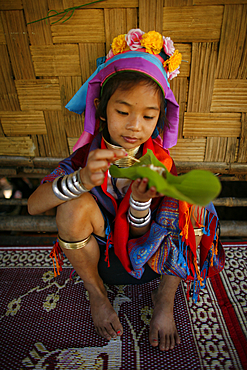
(146, 314)
(152, 42)
(173, 62)
(51, 302)
(13, 307)
(47, 276)
(119, 44)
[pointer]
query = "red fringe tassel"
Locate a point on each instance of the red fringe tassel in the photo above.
(57, 258)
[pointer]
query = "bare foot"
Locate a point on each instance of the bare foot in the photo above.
(105, 319)
(163, 331)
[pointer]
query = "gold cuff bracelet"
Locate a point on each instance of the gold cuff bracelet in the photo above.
(74, 245)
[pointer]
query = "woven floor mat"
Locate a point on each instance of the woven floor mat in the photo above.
(45, 322)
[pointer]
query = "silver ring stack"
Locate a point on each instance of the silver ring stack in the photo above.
(68, 187)
(139, 222)
(139, 206)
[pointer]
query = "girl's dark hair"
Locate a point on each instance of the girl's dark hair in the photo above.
(126, 80)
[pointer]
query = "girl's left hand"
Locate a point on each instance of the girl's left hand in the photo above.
(140, 191)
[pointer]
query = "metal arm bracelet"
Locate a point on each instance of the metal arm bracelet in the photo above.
(139, 206)
(78, 183)
(71, 186)
(139, 220)
(56, 190)
(144, 220)
(66, 190)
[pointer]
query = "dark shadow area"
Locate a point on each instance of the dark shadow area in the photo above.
(233, 189)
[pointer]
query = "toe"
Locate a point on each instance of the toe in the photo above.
(111, 331)
(117, 327)
(113, 327)
(104, 333)
(154, 342)
(172, 342)
(177, 339)
(163, 342)
(154, 337)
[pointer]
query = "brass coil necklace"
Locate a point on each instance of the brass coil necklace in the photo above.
(127, 161)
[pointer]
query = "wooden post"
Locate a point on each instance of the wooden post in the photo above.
(230, 202)
(51, 162)
(233, 228)
(28, 223)
(48, 224)
(219, 202)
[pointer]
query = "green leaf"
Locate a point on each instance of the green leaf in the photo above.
(195, 187)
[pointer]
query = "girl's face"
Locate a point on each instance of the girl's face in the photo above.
(132, 115)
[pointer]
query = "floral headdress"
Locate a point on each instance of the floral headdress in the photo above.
(151, 42)
(148, 53)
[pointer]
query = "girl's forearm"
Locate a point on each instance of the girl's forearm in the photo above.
(43, 199)
(137, 232)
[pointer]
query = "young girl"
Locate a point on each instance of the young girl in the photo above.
(142, 234)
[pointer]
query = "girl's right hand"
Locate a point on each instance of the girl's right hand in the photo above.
(98, 162)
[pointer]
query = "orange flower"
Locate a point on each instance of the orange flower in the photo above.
(152, 42)
(174, 61)
(119, 44)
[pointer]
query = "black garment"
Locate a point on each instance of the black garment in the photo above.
(116, 273)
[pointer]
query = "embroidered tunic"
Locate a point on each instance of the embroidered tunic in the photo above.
(169, 246)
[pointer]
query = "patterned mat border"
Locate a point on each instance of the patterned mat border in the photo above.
(233, 324)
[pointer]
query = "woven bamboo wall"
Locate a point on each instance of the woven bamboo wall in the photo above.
(42, 65)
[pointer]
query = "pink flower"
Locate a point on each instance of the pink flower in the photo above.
(110, 54)
(168, 46)
(133, 38)
(171, 75)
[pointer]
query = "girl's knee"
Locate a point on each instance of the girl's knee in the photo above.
(76, 218)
